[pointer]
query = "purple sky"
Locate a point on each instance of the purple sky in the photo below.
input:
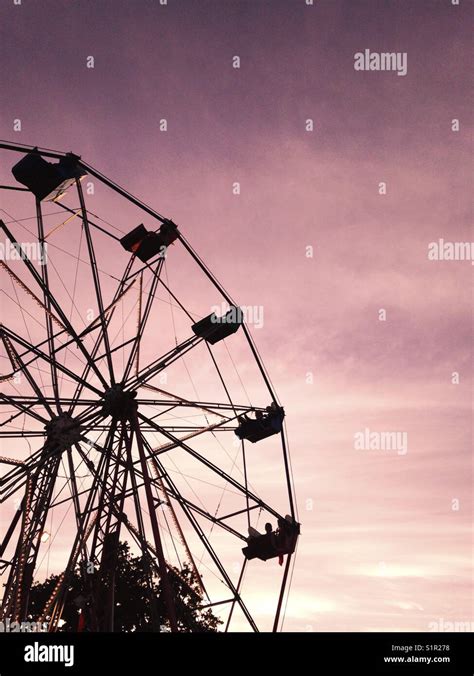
(382, 547)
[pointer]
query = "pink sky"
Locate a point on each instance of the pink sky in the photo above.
(381, 546)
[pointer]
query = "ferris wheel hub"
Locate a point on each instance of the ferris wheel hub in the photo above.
(62, 431)
(119, 403)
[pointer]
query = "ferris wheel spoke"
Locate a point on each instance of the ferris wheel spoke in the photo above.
(54, 303)
(186, 402)
(214, 468)
(47, 302)
(157, 482)
(95, 275)
(24, 409)
(196, 432)
(143, 319)
(17, 281)
(46, 357)
(20, 469)
(103, 315)
(30, 347)
(206, 515)
(22, 367)
(20, 433)
(211, 354)
(15, 415)
(239, 584)
(119, 294)
(178, 496)
(164, 361)
(208, 406)
(29, 399)
(77, 212)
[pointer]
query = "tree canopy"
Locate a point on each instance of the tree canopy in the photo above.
(138, 599)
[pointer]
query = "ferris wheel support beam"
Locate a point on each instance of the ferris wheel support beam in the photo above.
(87, 521)
(138, 533)
(15, 599)
(110, 472)
(108, 525)
(144, 545)
(11, 527)
(74, 491)
(169, 601)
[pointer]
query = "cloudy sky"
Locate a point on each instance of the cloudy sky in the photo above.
(345, 177)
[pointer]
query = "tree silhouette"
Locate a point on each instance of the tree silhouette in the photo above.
(138, 601)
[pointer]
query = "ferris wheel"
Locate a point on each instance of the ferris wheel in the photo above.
(130, 409)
